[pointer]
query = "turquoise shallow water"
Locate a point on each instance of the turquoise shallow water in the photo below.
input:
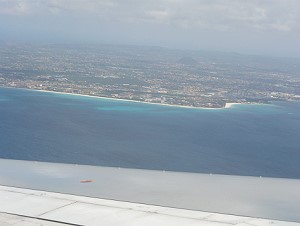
(259, 140)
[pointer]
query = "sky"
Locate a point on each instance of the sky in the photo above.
(264, 27)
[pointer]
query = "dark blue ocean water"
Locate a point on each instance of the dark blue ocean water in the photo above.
(259, 140)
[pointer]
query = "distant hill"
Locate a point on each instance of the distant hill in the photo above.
(187, 61)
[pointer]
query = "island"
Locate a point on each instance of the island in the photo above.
(151, 74)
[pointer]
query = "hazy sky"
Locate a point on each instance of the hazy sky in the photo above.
(268, 27)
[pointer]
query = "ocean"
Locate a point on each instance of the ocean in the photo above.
(254, 140)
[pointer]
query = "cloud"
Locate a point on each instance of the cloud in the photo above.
(15, 7)
(219, 15)
(251, 26)
(280, 15)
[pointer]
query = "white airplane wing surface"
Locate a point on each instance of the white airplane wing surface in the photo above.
(65, 194)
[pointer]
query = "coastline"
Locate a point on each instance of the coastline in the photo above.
(230, 105)
(227, 105)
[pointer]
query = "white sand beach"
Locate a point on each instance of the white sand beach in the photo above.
(227, 105)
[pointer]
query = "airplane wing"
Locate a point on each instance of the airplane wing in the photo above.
(65, 194)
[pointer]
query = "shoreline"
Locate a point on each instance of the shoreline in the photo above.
(230, 105)
(227, 105)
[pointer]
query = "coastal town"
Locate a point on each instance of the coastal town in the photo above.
(151, 74)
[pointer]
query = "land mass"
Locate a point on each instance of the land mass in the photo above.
(151, 74)
(227, 105)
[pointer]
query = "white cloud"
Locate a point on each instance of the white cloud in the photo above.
(279, 15)
(251, 26)
(15, 7)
